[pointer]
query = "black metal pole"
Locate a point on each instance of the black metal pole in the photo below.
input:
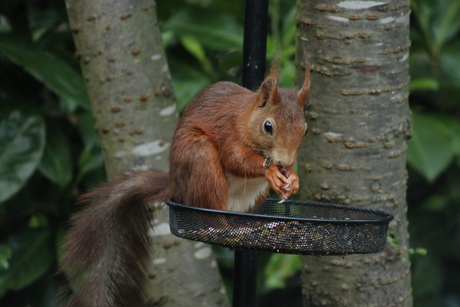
(245, 279)
(255, 43)
(254, 57)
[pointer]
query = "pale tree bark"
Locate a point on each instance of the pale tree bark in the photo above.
(130, 88)
(359, 124)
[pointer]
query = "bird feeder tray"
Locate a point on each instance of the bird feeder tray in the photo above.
(292, 227)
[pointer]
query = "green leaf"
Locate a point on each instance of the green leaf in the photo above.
(436, 202)
(420, 66)
(54, 72)
(423, 84)
(188, 81)
(422, 11)
(5, 255)
(431, 149)
(194, 47)
(289, 30)
(427, 280)
(85, 125)
(31, 258)
(418, 251)
(453, 125)
(231, 59)
(450, 64)
(22, 139)
(392, 239)
(89, 162)
(213, 29)
(279, 268)
(439, 21)
(56, 164)
(38, 220)
(446, 20)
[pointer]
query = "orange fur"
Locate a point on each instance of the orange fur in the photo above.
(220, 144)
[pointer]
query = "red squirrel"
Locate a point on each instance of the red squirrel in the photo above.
(230, 147)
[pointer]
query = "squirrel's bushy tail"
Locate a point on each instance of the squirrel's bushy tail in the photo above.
(107, 250)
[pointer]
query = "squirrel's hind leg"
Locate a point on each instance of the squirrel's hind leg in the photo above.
(198, 176)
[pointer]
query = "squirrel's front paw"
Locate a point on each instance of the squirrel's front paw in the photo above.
(283, 181)
(276, 179)
(292, 180)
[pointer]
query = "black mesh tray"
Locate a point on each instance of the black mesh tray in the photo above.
(293, 227)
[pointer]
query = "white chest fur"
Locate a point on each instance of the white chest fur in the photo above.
(243, 192)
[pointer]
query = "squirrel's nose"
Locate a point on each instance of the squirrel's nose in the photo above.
(283, 158)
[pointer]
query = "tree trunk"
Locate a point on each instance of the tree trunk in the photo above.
(359, 124)
(130, 88)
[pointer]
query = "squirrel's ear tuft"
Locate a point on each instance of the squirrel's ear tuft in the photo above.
(269, 90)
(304, 92)
(267, 87)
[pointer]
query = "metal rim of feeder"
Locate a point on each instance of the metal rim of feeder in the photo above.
(386, 217)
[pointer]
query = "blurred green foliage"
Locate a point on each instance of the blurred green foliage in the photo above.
(49, 152)
(434, 152)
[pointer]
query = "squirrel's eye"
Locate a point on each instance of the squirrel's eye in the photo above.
(268, 127)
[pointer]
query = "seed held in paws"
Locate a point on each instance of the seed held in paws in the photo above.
(284, 171)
